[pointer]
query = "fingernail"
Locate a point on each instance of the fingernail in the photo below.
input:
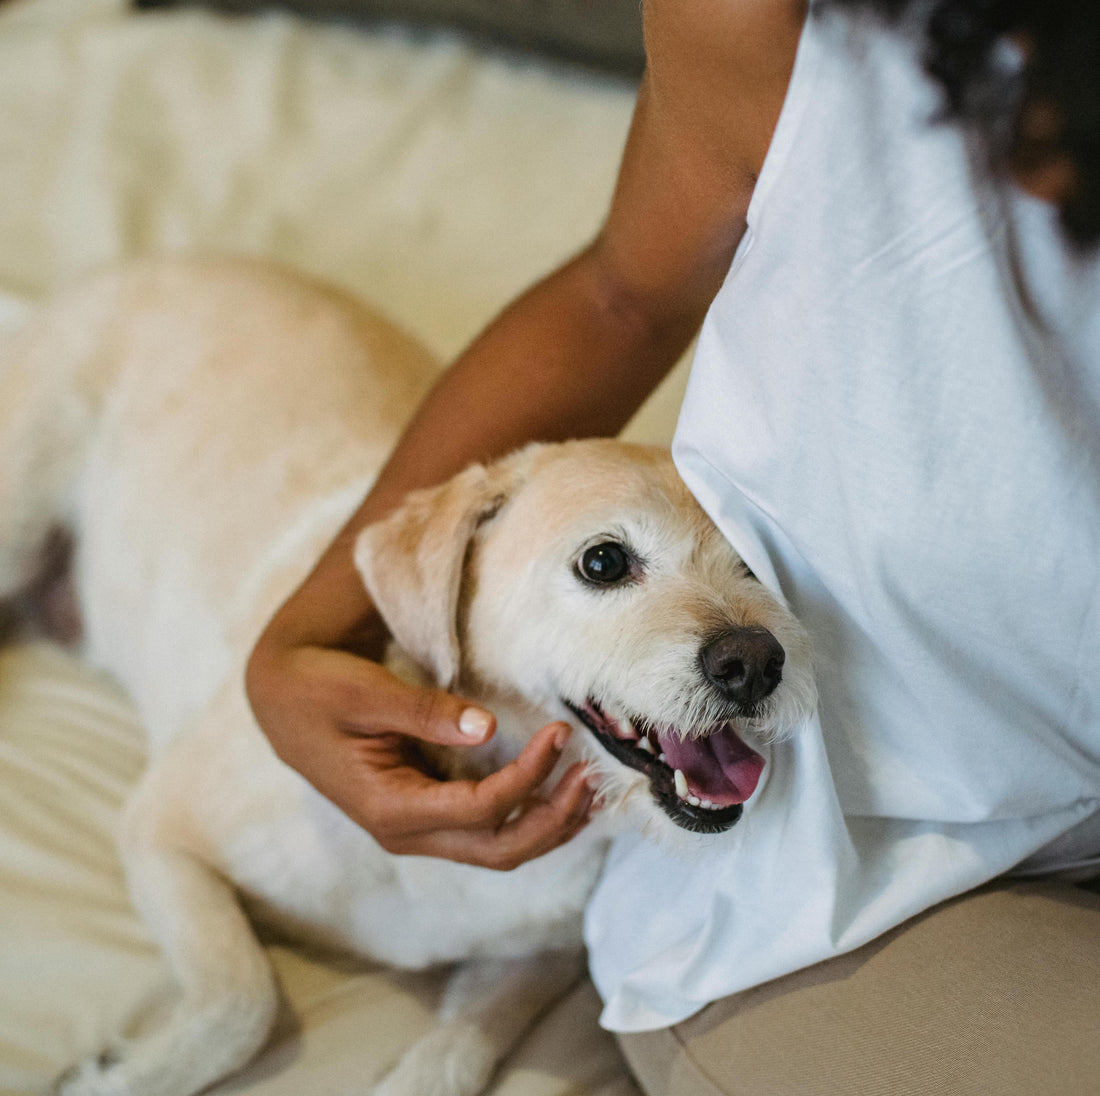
(474, 723)
(562, 736)
(592, 780)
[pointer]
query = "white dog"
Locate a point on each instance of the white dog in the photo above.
(206, 428)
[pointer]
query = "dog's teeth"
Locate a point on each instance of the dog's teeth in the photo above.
(628, 729)
(661, 757)
(708, 804)
(681, 783)
(694, 800)
(645, 744)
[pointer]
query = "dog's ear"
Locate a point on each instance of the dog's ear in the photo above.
(412, 561)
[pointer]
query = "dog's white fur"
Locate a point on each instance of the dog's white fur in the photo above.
(206, 427)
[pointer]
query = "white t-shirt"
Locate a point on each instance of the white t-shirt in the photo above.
(894, 415)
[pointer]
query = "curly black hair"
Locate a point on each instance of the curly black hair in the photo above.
(1038, 110)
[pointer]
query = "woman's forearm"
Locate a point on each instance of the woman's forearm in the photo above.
(576, 356)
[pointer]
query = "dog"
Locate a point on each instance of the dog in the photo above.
(205, 428)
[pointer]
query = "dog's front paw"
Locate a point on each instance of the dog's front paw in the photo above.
(453, 1060)
(101, 1075)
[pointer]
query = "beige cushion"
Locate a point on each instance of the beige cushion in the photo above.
(76, 965)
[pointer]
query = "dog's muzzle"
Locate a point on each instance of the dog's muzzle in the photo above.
(699, 781)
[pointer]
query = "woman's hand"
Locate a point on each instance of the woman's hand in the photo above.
(347, 724)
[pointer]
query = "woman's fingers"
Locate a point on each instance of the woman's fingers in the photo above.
(542, 826)
(419, 804)
(347, 724)
(367, 699)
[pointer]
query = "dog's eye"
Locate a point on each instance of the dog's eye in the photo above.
(604, 563)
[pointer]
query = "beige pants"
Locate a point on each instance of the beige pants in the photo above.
(996, 993)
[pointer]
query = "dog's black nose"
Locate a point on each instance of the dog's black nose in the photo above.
(745, 663)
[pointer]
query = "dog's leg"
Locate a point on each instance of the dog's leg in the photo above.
(487, 1007)
(229, 995)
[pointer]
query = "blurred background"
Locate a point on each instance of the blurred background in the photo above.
(436, 171)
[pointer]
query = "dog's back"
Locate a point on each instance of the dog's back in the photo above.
(165, 411)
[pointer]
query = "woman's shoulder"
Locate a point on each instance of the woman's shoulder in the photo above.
(725, 66)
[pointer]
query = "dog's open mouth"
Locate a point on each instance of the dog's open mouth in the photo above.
(699, 782)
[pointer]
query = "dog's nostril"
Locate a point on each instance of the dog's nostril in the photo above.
(745, 663)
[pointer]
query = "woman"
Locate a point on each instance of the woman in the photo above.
(894, 415)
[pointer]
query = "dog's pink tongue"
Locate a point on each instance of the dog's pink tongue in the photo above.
(720, 767)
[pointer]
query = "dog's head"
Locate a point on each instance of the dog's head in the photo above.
(584, 579)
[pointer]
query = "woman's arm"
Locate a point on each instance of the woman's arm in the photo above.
(575, 356)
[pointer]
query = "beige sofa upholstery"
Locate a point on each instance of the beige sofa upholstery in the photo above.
(76, 965)
(432, 179)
